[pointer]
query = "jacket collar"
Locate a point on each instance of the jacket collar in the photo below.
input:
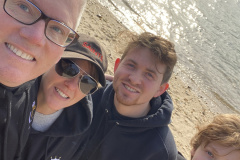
(74, 120)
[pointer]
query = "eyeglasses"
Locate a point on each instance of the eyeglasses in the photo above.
(27, 13)
(69, 69)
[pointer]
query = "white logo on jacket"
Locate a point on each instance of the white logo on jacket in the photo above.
(56, 158)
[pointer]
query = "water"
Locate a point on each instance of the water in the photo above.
(206, 34)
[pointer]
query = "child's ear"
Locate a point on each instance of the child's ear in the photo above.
(162, 89)
(117, 62)
(192, 153)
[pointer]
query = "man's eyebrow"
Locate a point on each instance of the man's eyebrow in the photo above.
(151, 71)
(148, 69)
(131, 60)
(54, 18)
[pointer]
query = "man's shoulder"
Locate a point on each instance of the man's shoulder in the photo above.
(163, 135)
(163, 131)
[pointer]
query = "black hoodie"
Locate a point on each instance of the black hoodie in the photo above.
(115, 137)
(16, 113)
(65, 139)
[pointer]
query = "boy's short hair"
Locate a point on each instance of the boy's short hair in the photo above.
(224, 130)
(161, 48)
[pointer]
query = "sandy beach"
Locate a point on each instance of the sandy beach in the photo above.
(190, 109)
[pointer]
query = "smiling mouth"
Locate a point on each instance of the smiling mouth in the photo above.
(130, 89)
(20, 53)
(61, 93)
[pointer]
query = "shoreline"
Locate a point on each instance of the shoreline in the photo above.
(190, 109)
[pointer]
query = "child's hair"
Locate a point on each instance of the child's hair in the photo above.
(224, 130)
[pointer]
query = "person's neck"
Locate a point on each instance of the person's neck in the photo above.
(10, 85)
(133, 111)
(42, 106)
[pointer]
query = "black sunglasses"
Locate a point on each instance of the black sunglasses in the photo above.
(69, 69)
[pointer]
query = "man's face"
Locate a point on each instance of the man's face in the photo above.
(138, 78)
(25, 51)
(214, 151)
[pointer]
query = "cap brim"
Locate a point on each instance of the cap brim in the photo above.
(69, 54)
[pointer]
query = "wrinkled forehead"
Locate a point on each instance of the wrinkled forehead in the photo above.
(66, 11)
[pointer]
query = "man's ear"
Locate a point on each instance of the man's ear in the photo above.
(117, 62)
(162, 89)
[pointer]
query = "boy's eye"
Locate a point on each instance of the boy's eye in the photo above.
(130, 65)
(149, 75)
(210, 154)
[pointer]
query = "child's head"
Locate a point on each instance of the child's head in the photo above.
(220, 138)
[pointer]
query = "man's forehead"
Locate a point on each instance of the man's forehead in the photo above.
(60, 10)
(150, 62)
(154, 67)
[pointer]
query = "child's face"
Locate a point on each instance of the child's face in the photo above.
(214, 151)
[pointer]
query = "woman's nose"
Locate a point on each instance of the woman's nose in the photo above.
(72, 83)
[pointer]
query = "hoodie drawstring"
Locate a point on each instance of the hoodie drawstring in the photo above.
(9, 111)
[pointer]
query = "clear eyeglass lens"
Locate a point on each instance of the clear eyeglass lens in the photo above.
(22, 10)
(27, 13)
(59, 33)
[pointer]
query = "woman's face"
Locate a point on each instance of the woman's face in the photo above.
(215, 151)
(57, 92)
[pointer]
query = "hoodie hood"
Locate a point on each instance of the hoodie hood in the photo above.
(159, 115)
(161, 109)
